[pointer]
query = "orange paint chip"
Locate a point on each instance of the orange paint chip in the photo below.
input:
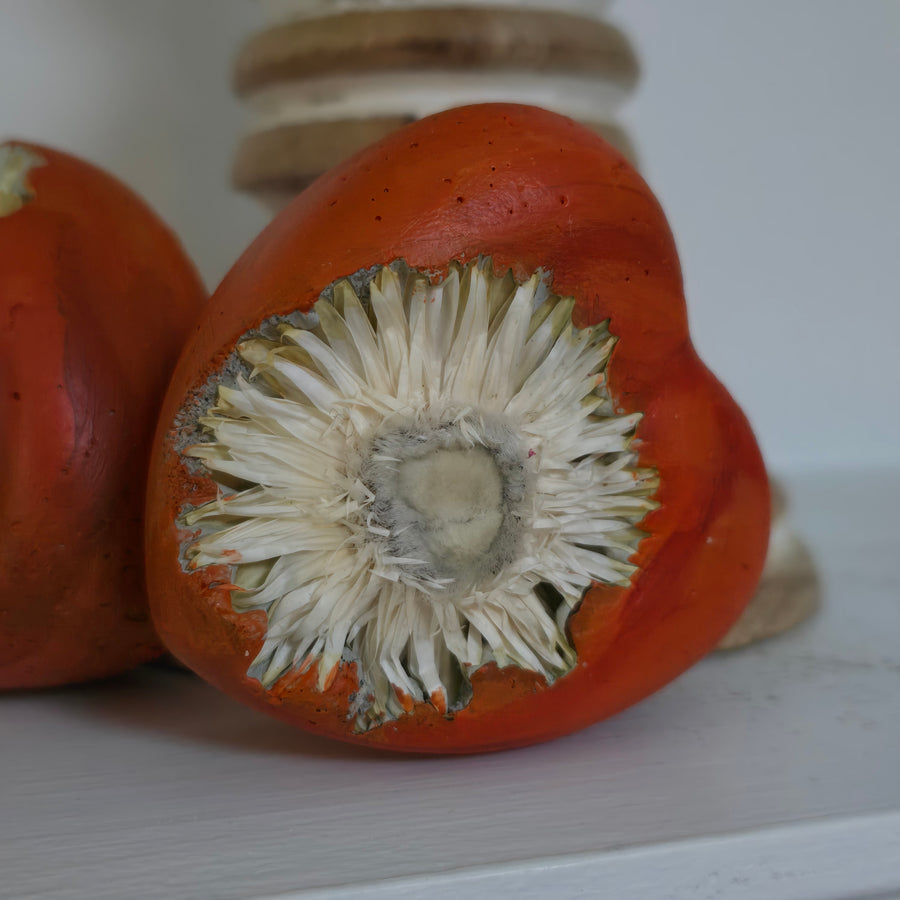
(406, 701)
(439, 701)
(330, 677)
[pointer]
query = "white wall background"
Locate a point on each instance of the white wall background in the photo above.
(770, 131)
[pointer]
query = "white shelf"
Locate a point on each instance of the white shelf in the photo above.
(771, 772)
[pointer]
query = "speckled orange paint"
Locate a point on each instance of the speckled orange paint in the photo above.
(96, 300)
(532, 190)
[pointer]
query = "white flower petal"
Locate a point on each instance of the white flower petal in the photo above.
(476, 361)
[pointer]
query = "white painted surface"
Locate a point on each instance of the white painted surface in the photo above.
(815, 861)
(771, 772)
(768, 129)
(141, 88)
(770, 132)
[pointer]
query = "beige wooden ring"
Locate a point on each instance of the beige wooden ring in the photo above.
(443, 39)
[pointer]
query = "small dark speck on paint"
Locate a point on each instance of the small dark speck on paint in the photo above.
(16, 395)
(377, 218)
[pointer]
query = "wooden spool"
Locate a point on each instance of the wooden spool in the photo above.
(328, 77)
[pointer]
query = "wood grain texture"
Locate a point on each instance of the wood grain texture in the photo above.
(288, 158)
(766, 773)
(293, 10)
(446, 39)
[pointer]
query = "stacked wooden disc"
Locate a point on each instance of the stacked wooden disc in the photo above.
(327, 77)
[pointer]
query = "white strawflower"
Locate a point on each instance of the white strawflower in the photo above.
(429, 480)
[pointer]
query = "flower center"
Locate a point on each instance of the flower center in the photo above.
(451, 496)
(455, 496)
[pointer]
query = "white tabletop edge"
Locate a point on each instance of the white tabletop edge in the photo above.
(815, 860)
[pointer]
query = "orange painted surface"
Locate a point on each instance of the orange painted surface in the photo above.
(530, 189)
(96, 301)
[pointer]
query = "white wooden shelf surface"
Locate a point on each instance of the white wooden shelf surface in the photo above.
(770, 772)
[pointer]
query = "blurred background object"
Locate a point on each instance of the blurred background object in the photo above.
(325, 79)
